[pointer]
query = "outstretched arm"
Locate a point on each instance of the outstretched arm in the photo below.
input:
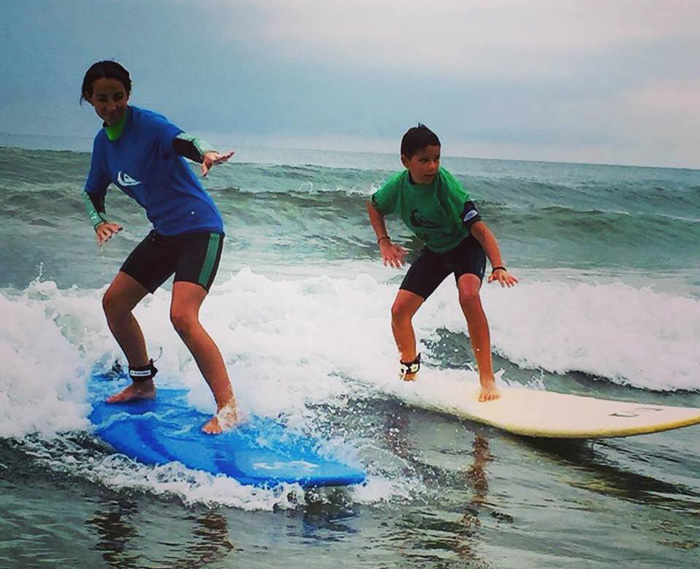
(488, 241)
(199, 151)
(213, 158)
(393, 255)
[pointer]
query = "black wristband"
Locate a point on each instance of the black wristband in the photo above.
(499, 268)
(382, 238)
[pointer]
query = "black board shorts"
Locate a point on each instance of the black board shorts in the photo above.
(431, 268)
(192, 257)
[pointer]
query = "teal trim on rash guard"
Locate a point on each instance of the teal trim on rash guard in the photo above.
(96, 217)
(201, 145)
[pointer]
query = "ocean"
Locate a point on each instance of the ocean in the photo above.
(608, 305)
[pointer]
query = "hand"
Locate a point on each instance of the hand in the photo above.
(212, 158)
(104, 231)
(503, 277)
(393, 255)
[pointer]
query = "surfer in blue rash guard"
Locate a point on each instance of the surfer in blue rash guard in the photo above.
(141, 153)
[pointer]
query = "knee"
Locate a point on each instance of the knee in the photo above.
(112, 305)
(400, 313)
(469, 296)
(183, 322)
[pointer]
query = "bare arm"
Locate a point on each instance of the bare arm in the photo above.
(393, 255)
(488, 241)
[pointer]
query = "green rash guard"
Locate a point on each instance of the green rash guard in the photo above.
(433, 212)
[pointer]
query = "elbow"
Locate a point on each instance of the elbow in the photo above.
(478, 229)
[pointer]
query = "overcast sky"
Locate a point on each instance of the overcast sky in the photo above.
(603, 81)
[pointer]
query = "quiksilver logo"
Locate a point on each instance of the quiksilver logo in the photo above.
(125, 180)
(417, 220)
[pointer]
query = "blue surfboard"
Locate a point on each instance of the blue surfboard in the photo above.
(166, 429)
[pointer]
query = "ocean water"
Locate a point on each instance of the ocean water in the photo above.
(608, 305)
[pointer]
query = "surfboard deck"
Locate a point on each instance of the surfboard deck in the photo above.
(533, 413)
(167, 429)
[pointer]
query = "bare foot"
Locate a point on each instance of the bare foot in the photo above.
(140, 390)
(226, 418)
(489, 391)
(409, 376)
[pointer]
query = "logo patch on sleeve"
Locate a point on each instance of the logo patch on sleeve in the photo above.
(470, 214)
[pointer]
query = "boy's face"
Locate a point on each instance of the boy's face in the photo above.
(424, 164)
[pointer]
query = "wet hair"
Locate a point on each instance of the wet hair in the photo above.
(104, 70)
(417, 138)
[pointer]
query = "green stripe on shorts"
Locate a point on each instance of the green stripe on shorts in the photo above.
(210, 259)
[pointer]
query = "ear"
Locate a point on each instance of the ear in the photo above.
(87, 97)
(405, 161)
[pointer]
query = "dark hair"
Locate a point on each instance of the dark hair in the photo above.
(104, 70)
(417, 138)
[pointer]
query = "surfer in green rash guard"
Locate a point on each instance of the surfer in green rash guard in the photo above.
(437, 209)
(141, 153)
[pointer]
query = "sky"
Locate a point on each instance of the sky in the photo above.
(596, 81)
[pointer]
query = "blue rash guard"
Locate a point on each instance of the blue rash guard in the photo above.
(143, 164)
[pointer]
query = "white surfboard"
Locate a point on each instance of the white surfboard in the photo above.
(534, 413)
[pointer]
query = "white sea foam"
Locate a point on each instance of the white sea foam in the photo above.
(306, 345)
(291, 344)
(40, 386)
(632, 336)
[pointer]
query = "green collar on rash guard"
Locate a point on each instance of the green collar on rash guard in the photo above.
(116, 130)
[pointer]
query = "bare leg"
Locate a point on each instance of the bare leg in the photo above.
(184, 314)
(405, 306)
(121, 298)
(478, 326)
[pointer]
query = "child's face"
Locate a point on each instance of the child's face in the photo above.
(109, 97)
(424, 164)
